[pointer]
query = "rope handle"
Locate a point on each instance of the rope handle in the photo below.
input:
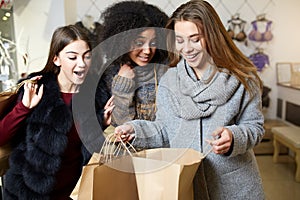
(110, 150)
(17, 87)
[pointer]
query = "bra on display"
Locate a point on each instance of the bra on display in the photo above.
(236, 28)
(260, 60)
(256, 35)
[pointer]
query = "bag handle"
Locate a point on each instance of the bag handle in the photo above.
(110, 150)
(17, 87)
(209, 147)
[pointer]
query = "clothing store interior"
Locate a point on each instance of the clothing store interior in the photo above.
(265, 31)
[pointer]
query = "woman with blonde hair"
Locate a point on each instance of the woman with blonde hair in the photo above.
(212, 96)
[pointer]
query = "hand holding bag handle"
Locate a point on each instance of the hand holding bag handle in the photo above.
(9, 97)
(111, 149)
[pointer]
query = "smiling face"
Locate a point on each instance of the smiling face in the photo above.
(143, 47)
(74, 61)
(190, 43)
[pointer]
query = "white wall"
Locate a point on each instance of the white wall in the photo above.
(35, 21)
(284, 49)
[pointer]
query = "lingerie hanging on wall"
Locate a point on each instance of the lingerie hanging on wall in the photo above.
(236, 28)
(260, 59)
(92, 28)
(256, 35)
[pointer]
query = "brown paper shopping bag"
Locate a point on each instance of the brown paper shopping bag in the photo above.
(156, 174)
(85, 181)
(166, 173)
(5, 151)
(115, 180)
(153, 174)
(100, 181)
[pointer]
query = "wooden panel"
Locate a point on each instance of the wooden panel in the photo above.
(292, 113)
(279, 108)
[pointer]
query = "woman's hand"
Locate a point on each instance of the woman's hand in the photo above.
(222, 143)
(124, 132)
(108, 108)
(32, 95)
(126, 71)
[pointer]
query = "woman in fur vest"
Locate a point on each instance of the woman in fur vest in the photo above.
(49, 152)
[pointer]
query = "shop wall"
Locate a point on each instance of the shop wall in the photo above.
(36, 20)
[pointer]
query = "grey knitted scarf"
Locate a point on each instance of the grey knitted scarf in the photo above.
(205, 96)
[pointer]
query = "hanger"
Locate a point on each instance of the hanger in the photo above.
(261, 18)
(259, 50)
(88, 22)
(235, 19)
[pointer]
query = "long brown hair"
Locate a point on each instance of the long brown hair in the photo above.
(61, 37)
(219, 44)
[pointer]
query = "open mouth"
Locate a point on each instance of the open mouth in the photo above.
(79, 74)
(144, 59)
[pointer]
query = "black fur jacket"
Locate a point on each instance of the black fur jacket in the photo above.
(38, 147)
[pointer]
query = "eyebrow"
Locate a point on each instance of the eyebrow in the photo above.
(190, 36)
(78, 53)
(142, 37)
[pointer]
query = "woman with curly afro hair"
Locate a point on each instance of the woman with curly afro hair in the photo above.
(134, 49)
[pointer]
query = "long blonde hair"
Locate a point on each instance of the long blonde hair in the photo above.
(219, 44)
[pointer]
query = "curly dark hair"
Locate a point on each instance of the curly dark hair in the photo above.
(124, 21)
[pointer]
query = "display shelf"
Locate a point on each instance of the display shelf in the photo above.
(288, 74)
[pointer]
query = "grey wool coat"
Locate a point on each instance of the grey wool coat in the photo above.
(189, 110)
